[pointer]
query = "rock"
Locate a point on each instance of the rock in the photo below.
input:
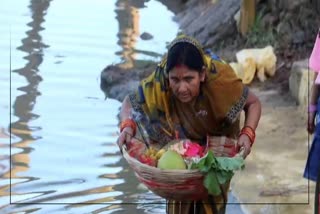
(119, 91)
(298, 37)
(316, 5)
(198, 20)
(290, 4)
(146, 36)
(116, 82)
(299, 83)
(283, 29)
(237, 18)
(269, 20)
(174, 6)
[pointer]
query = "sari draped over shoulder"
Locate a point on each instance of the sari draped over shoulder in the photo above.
(216, 110)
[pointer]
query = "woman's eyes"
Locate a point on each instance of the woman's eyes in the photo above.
(187, 79)
(175, 80)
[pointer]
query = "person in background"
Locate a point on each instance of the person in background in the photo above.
(195, 95)
(312, 168)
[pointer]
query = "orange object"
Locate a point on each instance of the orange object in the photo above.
(247, 130)
(129, 123)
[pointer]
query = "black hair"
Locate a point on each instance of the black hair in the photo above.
(184, 53)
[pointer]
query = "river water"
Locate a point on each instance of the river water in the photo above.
(62, 152)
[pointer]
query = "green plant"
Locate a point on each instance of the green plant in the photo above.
(259, 35)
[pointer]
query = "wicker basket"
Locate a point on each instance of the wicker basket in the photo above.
(181, 185)
(170, 184)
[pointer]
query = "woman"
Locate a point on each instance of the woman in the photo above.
(192, 95)
(313, 163)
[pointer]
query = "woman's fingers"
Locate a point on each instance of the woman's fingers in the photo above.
(125, 137)
(128, 138)
(244, 142)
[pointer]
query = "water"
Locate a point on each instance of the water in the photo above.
(63, 148)
(63, 153)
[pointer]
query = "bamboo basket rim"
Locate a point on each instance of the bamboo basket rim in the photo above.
(168, 171)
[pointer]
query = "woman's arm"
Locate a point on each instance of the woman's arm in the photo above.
(252, 111)
(127, 125)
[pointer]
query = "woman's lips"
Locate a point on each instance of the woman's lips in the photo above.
(184, 96)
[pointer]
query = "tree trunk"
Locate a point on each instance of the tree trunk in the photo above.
(247, 15)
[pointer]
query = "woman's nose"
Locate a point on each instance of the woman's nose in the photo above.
(182, 88)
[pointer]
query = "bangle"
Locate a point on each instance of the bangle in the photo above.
(312, 108)
(128, 123)
(247, 130)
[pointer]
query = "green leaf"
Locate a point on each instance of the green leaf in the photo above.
(217, 170)
(230, 164)
(224, 176)
(205, 163)
(211, 183)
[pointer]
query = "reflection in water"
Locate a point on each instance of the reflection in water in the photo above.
(78, 133)
(128, 19)
(24, 104)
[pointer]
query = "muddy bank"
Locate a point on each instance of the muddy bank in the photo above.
(272, 180)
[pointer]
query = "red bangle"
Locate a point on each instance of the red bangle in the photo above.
(128, 123)
(247, 130)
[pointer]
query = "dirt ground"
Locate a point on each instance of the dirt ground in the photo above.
(272, 181)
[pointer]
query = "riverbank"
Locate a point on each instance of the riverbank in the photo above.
(272, 181)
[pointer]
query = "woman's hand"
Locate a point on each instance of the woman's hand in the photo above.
(125, 137)
(310, 125)
(244, 142)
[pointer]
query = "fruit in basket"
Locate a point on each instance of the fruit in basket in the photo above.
(187, 148)
(151, 156)
(148, 160)
(171, 160)
(160, 153)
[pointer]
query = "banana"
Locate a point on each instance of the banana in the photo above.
(154, 153)
(160, 153)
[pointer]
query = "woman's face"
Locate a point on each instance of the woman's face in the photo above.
(185, 83)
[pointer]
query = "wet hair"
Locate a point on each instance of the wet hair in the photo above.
(184, 53)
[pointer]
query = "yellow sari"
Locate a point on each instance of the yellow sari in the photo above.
(216, 113)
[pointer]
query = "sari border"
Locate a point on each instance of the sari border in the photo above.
(152, 129)
(236, 109)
